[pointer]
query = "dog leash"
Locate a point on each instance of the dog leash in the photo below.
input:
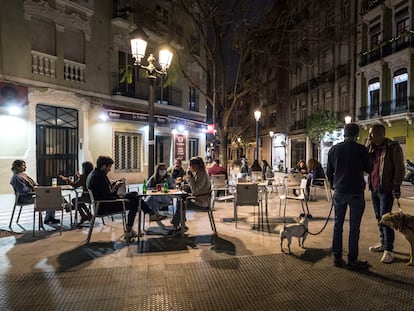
(399, 206)
(326, 222)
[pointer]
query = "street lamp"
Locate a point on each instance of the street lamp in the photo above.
(256, 165)
(348, 119)
(138, 47)
(271, 134)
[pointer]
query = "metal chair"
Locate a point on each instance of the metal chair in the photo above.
(246, 195)
(219, 183)
(285, 196)
(18, 203)
(95, 204)
(49, 199)
(321, 183)
(209, 211)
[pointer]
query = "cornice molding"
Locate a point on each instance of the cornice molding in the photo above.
(58, 16)
(57, 98)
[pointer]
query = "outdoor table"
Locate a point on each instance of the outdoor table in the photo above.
(171, 192)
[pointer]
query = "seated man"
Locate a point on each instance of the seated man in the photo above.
(102, 189)
(217, 169)
(177, 171)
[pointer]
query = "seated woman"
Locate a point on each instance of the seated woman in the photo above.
(300, 168)
(24, 186)
(199, 183)
(87, 168)
(155, 202)
(315, 171)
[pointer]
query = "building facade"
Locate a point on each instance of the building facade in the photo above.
(67, 66)
(322, 64)
(384, 94)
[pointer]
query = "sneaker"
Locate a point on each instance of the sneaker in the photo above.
(129, 235)
(376, 248)
(51, 221)
(358, 265)
(157, 217)
(387, 257)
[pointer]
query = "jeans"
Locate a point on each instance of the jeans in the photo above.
(176, 220)
(356, 204)
(382, 203)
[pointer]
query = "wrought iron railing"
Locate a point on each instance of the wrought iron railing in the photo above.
(398, 43)
(139, 89)
(387, 108)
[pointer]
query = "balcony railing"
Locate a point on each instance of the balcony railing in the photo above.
(298, 125)
(123, 8)
(74, 71)
(398, 43)
(44, 64)
(368, 5)
(387, 108)
(139, 89)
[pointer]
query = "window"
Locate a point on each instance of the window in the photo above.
(375, 36)
(43, 36)
(193, 99)
(399, 81)
(193, 147)
(345, 9)
(162, 149)
(127, 152)
(162, 15)
(328, 101)
(74, 46)
(330, 15)
(344, 101)
(374, 87)
(402, 21)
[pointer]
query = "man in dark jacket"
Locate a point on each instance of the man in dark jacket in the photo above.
(384, 183)
(347, 162)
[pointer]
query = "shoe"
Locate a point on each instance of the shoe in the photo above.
(51, 220)
(129, 235)
(358, 265)
(339, 262)
(376, 248)
(387, 257)
(157, 217)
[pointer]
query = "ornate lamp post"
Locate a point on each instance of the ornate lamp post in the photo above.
(138, 47)
(271, 134)
(256, 165)
(348, 119)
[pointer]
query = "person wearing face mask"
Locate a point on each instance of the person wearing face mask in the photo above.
(156, 202)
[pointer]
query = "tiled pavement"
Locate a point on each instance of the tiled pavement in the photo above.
(240, 269)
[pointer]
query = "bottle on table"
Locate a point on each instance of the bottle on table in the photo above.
(144, 187)
(165, 185)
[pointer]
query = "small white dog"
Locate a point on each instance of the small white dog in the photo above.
(299, 230)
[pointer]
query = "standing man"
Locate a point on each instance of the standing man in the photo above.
(384, 183)
(347, 162)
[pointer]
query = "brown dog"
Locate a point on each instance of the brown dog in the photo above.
(403, 223)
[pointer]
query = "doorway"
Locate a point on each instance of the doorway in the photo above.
(56, 142)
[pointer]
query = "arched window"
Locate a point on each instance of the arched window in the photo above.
(374, 87)
(400, 88)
